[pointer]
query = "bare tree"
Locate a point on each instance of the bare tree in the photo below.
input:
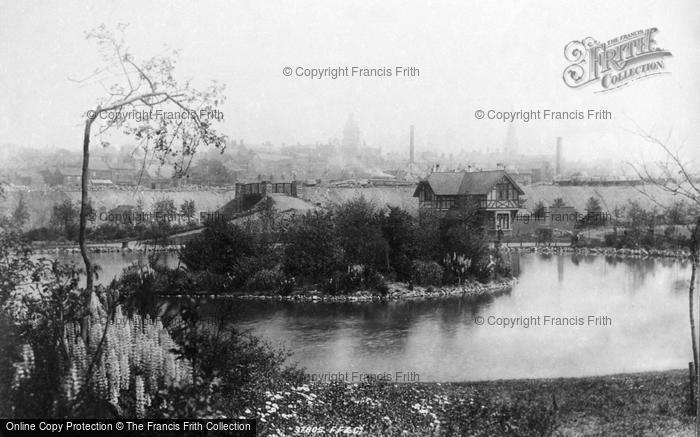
(142, 99)
(673, 174)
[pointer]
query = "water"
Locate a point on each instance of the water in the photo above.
(111, 265)
(645, 302)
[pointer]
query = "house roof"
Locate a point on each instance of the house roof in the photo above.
(444, 184)
(466, 183)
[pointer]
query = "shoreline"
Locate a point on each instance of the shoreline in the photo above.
(139, 247)
(103, 248)
(397, 291)
(604, 251)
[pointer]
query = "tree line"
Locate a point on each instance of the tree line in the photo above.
(347, 247)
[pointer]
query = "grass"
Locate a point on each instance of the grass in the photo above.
(653, 403)
(645, 404)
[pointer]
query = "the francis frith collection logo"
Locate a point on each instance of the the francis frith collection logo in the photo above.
(616, 62)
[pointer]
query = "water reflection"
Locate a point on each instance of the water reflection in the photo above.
(646, 300)
(440, 340)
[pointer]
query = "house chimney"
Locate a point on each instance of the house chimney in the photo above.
(559, 157)
(412, 147)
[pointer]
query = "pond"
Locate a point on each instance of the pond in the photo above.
(567, 315)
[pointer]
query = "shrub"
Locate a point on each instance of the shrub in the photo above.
(265, 280)
(312, 251)
(356, 277)
(135, 363)
(470, 242)
(426, 273)
(544, 235)
(611, 240)
(359, 231)
(334, 285)
(375, 281)
(457, 265)
(399, 230)
(492, 267)
(226, 249)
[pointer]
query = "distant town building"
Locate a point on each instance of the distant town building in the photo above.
(560, 158)
(510, 145)
(351, 137)
(68, 175)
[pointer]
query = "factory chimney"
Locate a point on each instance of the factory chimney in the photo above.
(559, 157)
(413, 150)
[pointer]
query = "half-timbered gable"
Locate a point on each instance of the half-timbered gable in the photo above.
(494, 193)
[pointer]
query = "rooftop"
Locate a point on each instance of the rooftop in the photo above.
(466, 183)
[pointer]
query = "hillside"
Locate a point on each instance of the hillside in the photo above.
(40, 202)
(380, 196)
(610, 197)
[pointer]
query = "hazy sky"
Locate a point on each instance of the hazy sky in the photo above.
(504, 55)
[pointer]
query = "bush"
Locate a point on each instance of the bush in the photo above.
(351, 247)
(226, 249)
(544, 235)
(611, 240)
(312, 250)
(375, 281)
(456, 266)
(359, 231)
(470, 242)
(399, 229)
(426, 273)
(265, 280)
(335, 284)
(356, 277)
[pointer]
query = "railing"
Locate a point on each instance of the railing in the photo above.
(497, 204)
(483, 204)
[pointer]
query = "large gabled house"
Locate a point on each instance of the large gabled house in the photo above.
(493, 195)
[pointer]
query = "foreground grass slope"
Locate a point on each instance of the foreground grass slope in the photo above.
(653, 404)
(645, 404)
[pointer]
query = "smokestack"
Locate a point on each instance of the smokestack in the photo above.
(412, 147)
(559, 157)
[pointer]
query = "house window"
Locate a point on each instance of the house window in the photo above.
(446, 202)
(503, 191)
(425, 195)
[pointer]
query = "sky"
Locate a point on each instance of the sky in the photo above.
(502, 56)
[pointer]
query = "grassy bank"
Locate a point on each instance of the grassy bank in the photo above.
(651, 404)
